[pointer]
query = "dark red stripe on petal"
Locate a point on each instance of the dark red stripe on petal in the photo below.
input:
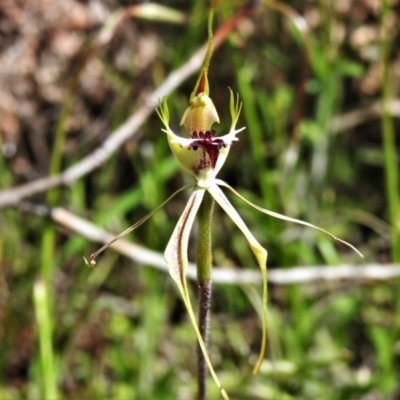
(179, 243)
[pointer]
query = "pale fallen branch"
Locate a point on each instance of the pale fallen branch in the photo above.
(234, 275)
(349, 120)
(353, 118)
(13, 196)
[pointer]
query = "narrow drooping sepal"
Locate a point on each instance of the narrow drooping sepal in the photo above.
(261, 256)
(91, 262)
(284, 218)
(177, 260)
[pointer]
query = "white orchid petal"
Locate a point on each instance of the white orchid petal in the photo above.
(231, 136)
(228, 139)
(260, 254)
(176, 251)
(283, 217)
(176, 257)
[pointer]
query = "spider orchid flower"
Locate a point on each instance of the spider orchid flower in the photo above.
(202, 154)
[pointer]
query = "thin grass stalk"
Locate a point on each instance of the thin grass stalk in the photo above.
(383, 341)
(389, 141)
(255, 135)
(44, 308)
(204, 277)
(45, 324)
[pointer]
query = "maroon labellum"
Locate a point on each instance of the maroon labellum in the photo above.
(209, 143)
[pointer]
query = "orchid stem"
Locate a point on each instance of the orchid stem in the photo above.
(204, 316)
(204, 263)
